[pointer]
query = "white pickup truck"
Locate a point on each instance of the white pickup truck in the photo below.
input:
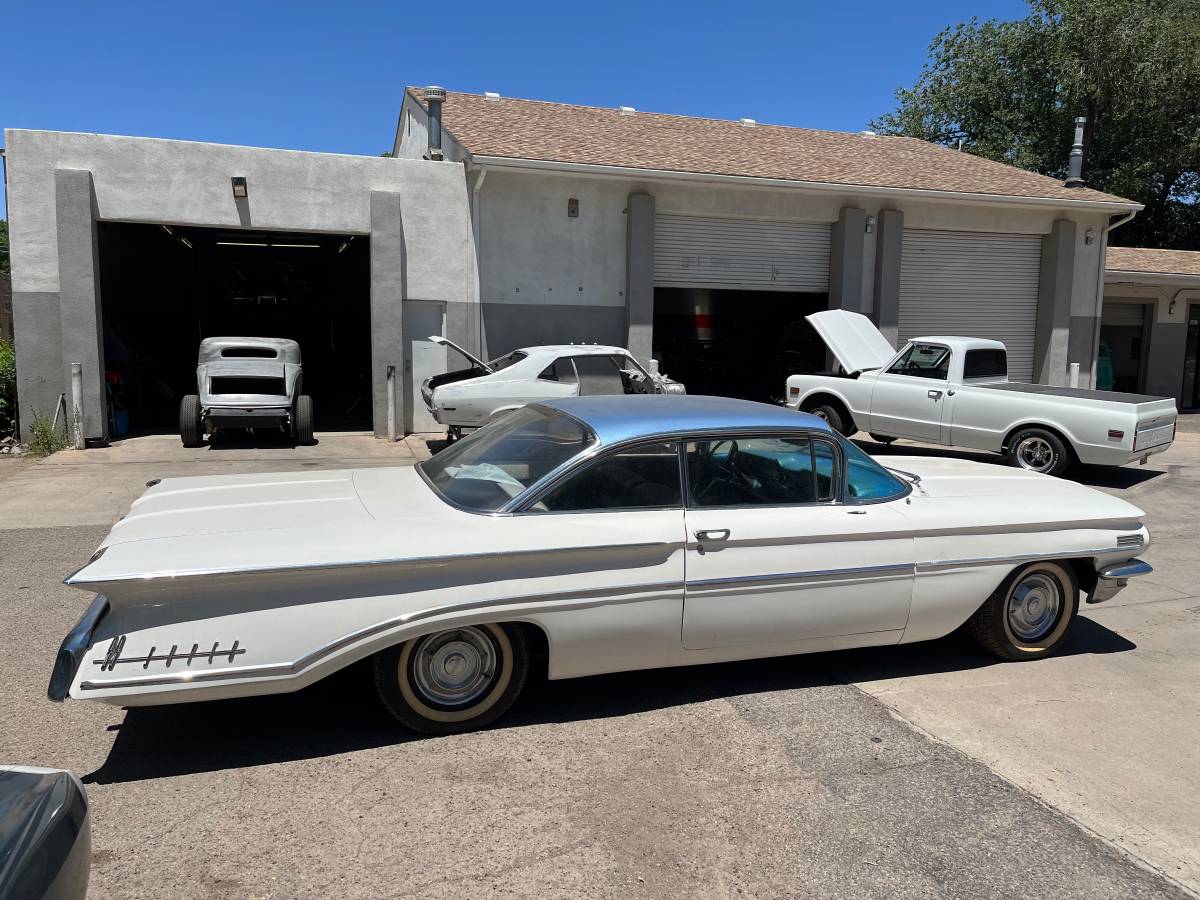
(955, 391)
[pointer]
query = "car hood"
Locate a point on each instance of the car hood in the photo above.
(965, 490)
(853, 339)
(473, 360)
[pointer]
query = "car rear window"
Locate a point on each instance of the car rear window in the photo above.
(249, 352)
(985, 364)
(488, 468)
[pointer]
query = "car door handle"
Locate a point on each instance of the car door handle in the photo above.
(935, 395)
(715, 534)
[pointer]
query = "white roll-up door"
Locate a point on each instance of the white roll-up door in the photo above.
(974, 285)
(691, 251)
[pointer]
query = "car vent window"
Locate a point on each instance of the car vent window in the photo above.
(757, 471)
(643, 477)
(560, 370)
(867, 480)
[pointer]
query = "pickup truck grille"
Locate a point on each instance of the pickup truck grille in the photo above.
(243, 384)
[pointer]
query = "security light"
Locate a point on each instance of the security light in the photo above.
(240, 190)
(870, 224)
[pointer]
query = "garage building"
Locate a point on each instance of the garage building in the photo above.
(700, 243)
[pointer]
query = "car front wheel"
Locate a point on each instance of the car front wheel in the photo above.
(455, 680)
(1029, 614)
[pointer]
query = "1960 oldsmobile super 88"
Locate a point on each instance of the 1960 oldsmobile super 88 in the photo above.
(610, 533)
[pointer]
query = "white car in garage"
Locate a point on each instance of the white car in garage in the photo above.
(466, 399)
(955, 391)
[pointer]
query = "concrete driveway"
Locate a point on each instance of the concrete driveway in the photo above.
(927, 770)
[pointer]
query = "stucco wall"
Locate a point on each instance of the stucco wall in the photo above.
(1167, 339)
(186, 183)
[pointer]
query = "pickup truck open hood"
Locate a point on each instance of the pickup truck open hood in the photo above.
(473, 360)
(853, 339)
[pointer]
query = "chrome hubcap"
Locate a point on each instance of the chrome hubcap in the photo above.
(1033, 606)
(454, 668)
(1035, 453)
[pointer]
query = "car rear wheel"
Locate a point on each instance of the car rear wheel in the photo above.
(302, 421)
(191, 426)
(1039, 450)
(1029, 614)
(455, 680)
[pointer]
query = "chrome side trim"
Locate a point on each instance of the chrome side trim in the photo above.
(74, 580)
(944, 564)
(582, 599)
(789, 578)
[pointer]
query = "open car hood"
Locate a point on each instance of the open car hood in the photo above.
(853, 339)
(473, 360)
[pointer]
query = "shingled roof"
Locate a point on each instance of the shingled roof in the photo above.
(566, 133)
(1153, 262)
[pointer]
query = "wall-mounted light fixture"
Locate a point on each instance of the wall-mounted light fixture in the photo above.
(1171, 308)
(573, 208)
(1089, 236)
(240, 190)
(870, 224)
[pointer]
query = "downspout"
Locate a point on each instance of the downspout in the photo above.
(1114, 222)
(482, 174)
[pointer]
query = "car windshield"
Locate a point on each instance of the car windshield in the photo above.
(490, 467)
(503, 362)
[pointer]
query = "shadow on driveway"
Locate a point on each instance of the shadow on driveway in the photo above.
(342, 713)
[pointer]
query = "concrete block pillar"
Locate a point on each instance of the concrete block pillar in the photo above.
(846, 253)
(1054, 347)
(639, 276)
(889, 241)
(389, 288)
(79, 295)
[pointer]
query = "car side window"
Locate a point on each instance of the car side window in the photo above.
(642, 477)
(760, 471)
(923, 361)
(560, 370)
(599, 375)
(985, 364)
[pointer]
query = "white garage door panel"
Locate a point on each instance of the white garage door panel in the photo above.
(690, 251)
(974, 285)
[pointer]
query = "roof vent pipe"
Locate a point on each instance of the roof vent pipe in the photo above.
(434, 97)
(1075, 163)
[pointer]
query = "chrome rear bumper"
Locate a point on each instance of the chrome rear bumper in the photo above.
(1111, 579)
(74, 646)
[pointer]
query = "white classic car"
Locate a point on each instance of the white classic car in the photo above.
(247, 382)
(955, 391)
(603, 533)
(469, 398)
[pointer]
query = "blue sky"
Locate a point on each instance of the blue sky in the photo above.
(329, 76)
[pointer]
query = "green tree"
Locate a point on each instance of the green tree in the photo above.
(3, 245)
(1009, 91)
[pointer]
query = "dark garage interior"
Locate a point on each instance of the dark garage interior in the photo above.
(736, 343)
(164, 288)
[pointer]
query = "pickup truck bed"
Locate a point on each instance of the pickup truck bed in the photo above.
(1073, 393)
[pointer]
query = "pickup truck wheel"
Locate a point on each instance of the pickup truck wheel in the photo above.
(191, 426)
(1039, 450)
(302, 423)
(1029, 614)
(833, 416)
(454, 680)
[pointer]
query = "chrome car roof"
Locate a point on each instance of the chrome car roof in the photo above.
(621, 418)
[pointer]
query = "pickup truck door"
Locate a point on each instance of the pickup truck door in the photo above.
(775, 557)
(909, 399)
